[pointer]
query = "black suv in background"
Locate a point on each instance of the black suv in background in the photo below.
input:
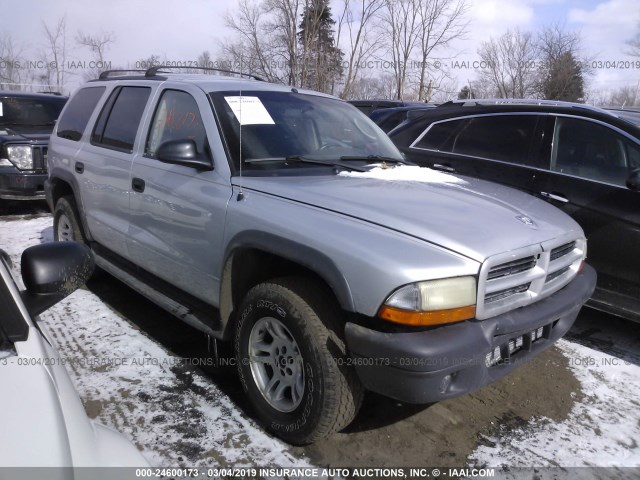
(582, 159)
(26, 121)
(369, 106)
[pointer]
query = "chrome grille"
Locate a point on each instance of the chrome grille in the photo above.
(511, 268)
(499, 295)
(556, 274)
(562, 250)
(523, 276)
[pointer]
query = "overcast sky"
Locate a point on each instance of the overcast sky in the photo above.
(182, 30)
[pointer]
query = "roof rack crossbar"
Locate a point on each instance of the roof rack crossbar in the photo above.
(107, 73)
(153, 71)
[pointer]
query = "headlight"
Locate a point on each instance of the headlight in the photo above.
(20, 156)
(433, 302)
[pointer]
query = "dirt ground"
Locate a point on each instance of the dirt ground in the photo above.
(387, 433)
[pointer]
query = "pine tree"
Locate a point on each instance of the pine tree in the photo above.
(564, 80)
(321, 59)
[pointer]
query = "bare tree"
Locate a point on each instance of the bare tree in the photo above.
(634, 44)
(483, 88)
(624, 97)
(441, 22)
(356, 23)
(401, 19)
(11, 69)
(510, 64)
(55, 53)
(262, 46)
(97, 45)
(561, 75)
(369, 88)
(283, 28)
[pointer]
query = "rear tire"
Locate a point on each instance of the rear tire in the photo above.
(291, 360)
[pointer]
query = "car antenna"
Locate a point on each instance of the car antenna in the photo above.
(240, 196)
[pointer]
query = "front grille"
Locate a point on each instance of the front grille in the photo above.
(507, 292)
(513, 267)
(556, 274)
(39, 153)
(562, 250)
(523, 276)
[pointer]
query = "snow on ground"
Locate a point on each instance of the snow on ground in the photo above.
(407, 173)
(134, 385)
(603, 428)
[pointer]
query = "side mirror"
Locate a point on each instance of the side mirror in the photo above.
(633, 180)
(52, 271)
(183, 152)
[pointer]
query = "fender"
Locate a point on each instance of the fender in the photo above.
(59, 174)
(312, 259)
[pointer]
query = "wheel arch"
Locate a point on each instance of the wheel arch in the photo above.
(253, 257)
(61, 184)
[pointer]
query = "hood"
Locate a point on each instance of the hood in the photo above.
(469, 216)
(25, 133)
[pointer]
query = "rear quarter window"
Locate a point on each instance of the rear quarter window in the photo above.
(74, 120)
(118, 123)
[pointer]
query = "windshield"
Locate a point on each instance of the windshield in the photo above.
(30, 111)
(278, 127)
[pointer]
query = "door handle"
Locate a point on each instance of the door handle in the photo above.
(555, 197)
(137, 184)
(445, 167)
(79, 167)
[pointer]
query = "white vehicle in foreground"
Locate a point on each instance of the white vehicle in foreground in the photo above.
(42, 420)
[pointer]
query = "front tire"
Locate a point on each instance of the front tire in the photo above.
(291, 360)
(66, 226)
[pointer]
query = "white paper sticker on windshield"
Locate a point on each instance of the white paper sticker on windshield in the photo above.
(1, 114)
(249, 110)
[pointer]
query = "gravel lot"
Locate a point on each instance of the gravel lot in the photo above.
(149, 376)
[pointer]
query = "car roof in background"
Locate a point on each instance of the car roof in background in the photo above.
(43, 95)
(631, 115)
(628, 120)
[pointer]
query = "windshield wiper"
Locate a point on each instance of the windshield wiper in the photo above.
(303, 159)
(376, 158)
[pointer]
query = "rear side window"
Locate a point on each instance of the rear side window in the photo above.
(74, 120)
(118, 122)
(593, 151)
(496, 137)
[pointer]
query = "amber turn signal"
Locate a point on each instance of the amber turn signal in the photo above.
(435, 317)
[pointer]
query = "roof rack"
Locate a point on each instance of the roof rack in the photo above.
(153, 71)
(107, 73)
(521, 101)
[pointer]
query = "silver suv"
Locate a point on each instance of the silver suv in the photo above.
(286, 222)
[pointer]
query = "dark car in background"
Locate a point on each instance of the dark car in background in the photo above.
(389, 118)
(368, 106)
(582, 159)
(26, 121)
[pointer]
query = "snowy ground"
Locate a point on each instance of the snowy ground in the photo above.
(179, 417)
(130, 383)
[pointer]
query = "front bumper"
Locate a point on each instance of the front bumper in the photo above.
(16, 185)
(433, 365)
